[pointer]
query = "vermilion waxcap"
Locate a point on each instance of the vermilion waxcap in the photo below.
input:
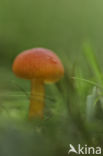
(38, 63)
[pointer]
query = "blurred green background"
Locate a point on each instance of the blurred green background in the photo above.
(61, 25)
(74, 30)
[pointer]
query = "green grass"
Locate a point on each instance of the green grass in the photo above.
(73, 113)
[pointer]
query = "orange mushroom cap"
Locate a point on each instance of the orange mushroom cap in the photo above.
(38, 63)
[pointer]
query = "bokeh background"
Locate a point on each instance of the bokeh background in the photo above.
(59, 25)
(74, 30)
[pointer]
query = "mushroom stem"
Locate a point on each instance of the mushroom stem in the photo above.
(36, 99)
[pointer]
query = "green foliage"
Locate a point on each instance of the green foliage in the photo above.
(69, 117)
(91, 101)
(93, 63)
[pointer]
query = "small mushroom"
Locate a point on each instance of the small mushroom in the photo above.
(40, 66)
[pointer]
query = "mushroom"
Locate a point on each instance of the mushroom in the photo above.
(40, 66)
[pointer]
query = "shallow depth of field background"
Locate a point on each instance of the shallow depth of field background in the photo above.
(74, 30)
